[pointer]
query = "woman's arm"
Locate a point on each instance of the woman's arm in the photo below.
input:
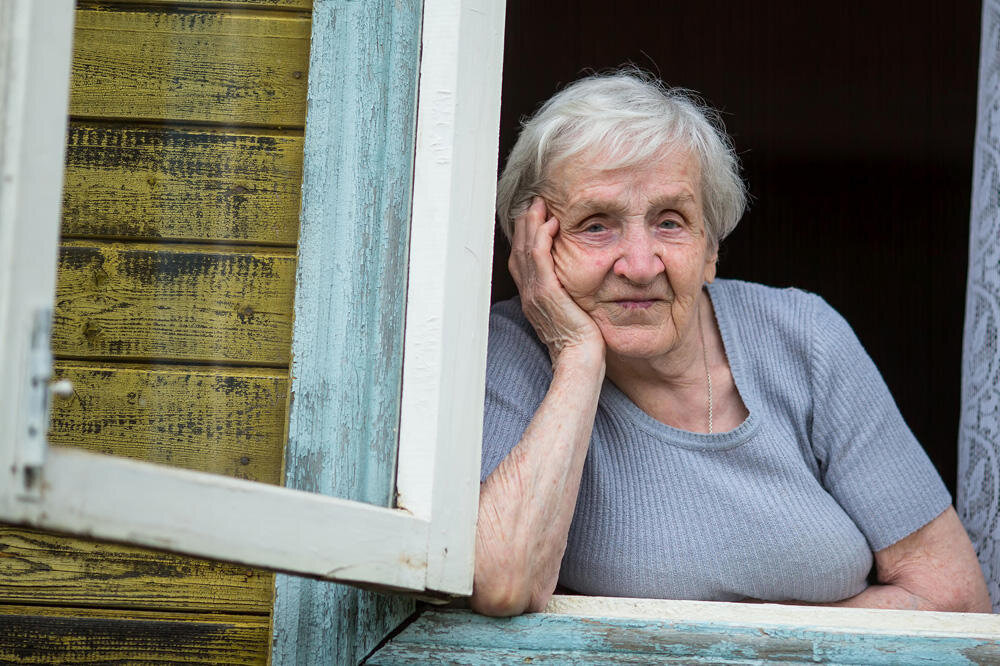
(526, 504)
(935, 568)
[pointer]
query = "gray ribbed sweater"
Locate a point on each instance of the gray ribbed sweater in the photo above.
(789, 505)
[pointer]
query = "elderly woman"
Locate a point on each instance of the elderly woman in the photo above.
(651, 431)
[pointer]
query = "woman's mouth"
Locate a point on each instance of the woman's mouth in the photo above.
(631, 304)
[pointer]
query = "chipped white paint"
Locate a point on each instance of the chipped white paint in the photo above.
(35, 53)
(581, 630)
(857, 619)
(350, 300)
(227, 519)
(451, 249)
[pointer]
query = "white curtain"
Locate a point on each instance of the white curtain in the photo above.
(979, 434)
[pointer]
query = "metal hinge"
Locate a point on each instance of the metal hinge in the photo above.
(33, 442)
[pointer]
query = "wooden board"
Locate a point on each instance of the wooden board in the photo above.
(174, 302)
(219, 420)
(343, 428)
(41, 568)
(301, 5)
(195, 66)
(463, 637)
(31, 635)
(208, 515)
(182, 183)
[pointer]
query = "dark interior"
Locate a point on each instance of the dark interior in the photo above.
(854, 122)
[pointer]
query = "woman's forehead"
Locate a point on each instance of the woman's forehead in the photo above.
(588, 178)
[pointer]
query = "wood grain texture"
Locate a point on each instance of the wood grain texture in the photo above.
(30, 635)
(176, 302)
(197, 66)
(463, 637)
(300, 5)
(181, 183)
(350, 301)
(41, 568)
(219, 420)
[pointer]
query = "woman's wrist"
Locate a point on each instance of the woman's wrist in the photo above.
(580, 361)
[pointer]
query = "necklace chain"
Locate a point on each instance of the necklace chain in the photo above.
(708, 375)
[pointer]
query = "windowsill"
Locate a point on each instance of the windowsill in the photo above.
(582, 629)
(866, 619)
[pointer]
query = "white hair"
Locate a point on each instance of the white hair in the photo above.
(627, 117)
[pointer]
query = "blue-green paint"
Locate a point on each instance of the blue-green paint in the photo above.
(349, 303)
(462, 637)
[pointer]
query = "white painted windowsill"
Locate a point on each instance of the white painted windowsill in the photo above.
(817, 617)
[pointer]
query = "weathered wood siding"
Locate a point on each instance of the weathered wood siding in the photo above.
(202, 66)
(344, 423)
(599, 636)
(33, 635)
(220, 420)
(40, 568)
(182, 184)
(201, 303)
(173, 313)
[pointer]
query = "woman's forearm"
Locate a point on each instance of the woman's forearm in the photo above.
(526, 504)
(886, 596)
(892, 597)
(934, 568)
(899, 598)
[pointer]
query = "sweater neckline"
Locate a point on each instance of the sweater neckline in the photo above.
(686, 439)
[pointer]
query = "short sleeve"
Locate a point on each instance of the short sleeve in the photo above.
(518, 374)
(869, 459)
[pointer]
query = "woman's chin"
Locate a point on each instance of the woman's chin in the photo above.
(640, 344)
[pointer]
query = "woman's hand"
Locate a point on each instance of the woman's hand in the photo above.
(558, 321)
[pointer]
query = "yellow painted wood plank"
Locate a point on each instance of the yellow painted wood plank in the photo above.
(303, 5)
(41, 568)
(174, 302)
(199, 66)
(111, 613)
(219, 420)
(30, 635)
(180, 183)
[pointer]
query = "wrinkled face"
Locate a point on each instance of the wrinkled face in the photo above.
(632, 249)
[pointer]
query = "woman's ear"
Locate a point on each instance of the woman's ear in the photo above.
(711, 262)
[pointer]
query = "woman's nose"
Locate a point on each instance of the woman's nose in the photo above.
(638, 261)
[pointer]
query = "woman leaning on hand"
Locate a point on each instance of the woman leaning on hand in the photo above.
(651, 431)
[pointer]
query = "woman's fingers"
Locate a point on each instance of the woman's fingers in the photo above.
(525, 232)
(557, 319)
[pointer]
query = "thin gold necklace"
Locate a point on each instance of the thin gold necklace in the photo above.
(708, 375)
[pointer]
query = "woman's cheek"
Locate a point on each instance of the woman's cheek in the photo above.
(579, 271)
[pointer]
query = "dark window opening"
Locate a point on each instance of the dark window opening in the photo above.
(855, 126)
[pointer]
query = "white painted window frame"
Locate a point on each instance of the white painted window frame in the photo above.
(427, 544)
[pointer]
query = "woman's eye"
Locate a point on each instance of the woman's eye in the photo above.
(669, 224)
(594, 228)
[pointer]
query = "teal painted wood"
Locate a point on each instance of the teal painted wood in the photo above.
(349, 303)
(462, 637)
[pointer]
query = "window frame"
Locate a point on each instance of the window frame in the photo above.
(34, 46)
(426, 544)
